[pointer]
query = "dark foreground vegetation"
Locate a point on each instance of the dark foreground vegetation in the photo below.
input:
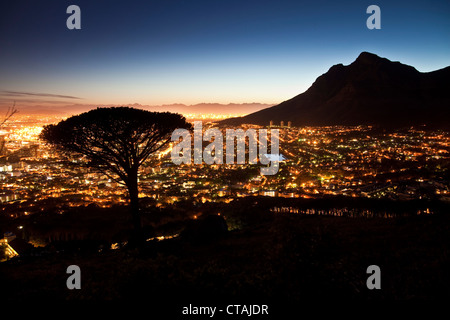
(265, 257)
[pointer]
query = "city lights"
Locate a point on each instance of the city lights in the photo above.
(336, 160)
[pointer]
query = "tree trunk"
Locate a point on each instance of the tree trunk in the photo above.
(134, 205)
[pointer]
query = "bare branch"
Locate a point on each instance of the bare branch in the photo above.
(9, 113)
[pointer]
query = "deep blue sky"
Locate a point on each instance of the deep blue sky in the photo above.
(161, 52)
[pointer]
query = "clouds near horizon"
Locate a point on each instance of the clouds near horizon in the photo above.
(19, 94)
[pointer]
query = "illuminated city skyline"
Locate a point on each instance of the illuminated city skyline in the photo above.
(354, 161)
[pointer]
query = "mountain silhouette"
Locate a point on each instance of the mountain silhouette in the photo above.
(370, 91)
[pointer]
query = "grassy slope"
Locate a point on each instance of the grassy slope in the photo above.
(285, 258)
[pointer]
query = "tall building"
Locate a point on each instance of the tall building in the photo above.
(282, 123)
(289, 124)
(271, 123)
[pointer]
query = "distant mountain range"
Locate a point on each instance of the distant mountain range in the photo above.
(199, 109)
(371, 91)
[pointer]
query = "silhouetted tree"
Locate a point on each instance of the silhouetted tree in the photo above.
(117, 141)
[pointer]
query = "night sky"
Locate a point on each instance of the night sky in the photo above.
(162, 52)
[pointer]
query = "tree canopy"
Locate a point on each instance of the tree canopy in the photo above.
(114, 139)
